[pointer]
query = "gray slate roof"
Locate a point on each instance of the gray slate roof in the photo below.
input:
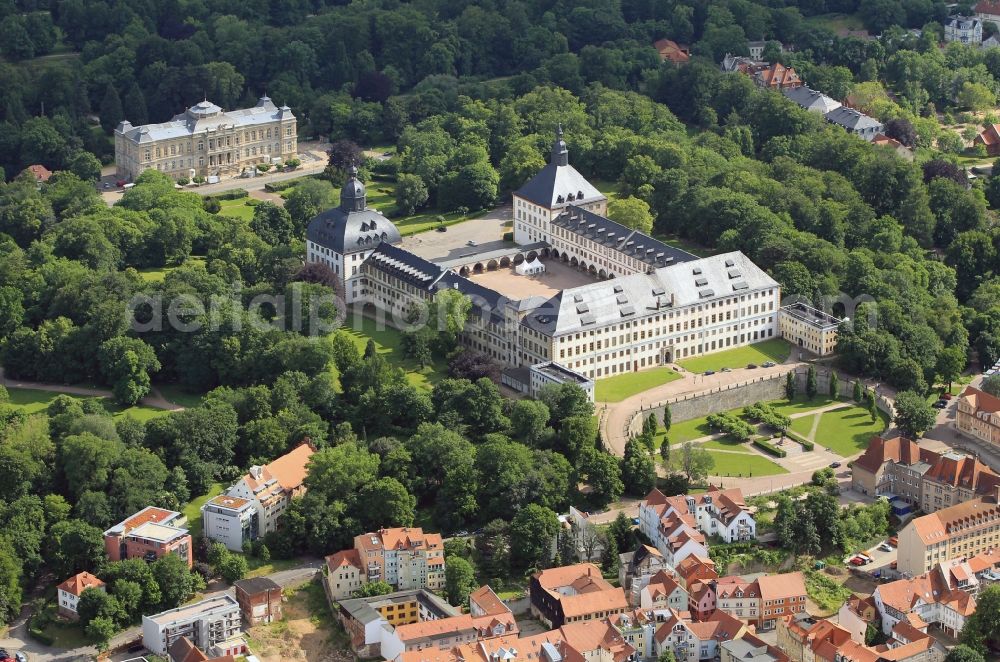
(811, 99)
(599, 304)
(559, 184)
(852, 120)
(204, 116)
(623, 239)
(352, 227)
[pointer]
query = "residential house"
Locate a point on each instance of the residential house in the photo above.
(405, 557)
(738, 596)
(638, 627)
(670, 51)
(742, 64)
(259, 599)
(856, 122)
(206, 623)
(343, 574)
(964, 30)
(678, 525)
(184, 650)
(701, 600)
(988, 10)
(370, 621)
(573, 593)
(808, 639)
(780, 595)
(924, 600)
(901, 150)
(692, 641)
(811, 100)
(68, 593)
(857, 615)
(979, 412)
(446, 633)
(749, 649)
(663, 592)
(756, 49)
(777, 76)
(267, 490)
(990, 137)
(962, 530)
(149, 534)
(993, 41)
(39, 172)
(695, 569)
(900, 469)
(636, 568)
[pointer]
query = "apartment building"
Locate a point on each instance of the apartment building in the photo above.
(68, 593)
(663, 592)
(900, 469)
(809, 328)
(695, 569)
(405, 557)
(857, 615)
(573, 593)
(692, 641)
(979, 415)
(962, 530)
(370, 621)
(343, 574)
(964, 29)
(250, 509)
(149, 534)
(205, 140)
(808, 639)
(259, 599)
(780, 595)
(206, 623)
(635, 570)
(737, 596)
(678, 525)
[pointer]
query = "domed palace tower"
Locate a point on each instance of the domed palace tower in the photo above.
(548, 193)
(343, 237)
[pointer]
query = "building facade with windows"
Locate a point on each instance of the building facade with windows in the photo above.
(979, 415)
(207, 141)
(963, 530)
(405, 557)
(809, 328)
(149, 534)
(69, 592)
(206, 623)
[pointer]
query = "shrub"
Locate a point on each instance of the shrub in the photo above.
(805, 443)
(263, 167)
(235, 194)
(183, 181)
(276, 187)
(768, 447)
(198, 179)
(292, 163)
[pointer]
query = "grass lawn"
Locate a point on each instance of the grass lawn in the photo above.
(825, 592)
(803, 425)
(611, 189)
(177, 395)
(157, 274)
(727, 444)
(848, 430)
(240, 208)
(620, 387)
(688, 430)
(776, 350)
(685, 245)
(31, 401)
(743, 464)
(193, 509)
(388, 342)
(67, 635)
(801, 404)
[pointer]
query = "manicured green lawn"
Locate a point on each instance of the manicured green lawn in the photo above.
(258, 569)
(193, 509)
(775, 349)
(240, 208)
(36, 402)
(847, 431)
(803, 424)
(743, 464)
(727, 444)
(801, 404)
(620, 387)
(689, 430)
(388, 342)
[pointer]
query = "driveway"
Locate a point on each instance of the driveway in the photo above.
(486, 231)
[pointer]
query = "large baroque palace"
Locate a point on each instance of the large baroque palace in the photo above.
(207, 141)
(642, 303)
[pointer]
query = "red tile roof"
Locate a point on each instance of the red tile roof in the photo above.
(77, 584)
(344, 557)
(988, 7)
(40, 172)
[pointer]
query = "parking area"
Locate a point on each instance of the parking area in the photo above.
(881, 559)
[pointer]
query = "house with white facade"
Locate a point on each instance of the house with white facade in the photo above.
(68, 593)
(721, 513)
(663, 592)
(964, 30)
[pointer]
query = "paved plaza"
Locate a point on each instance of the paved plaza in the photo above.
(556, 277)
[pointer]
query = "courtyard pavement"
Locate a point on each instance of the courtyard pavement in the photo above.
(486, 231)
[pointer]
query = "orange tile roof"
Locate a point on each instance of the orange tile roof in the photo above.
(595, 602)
(587, 637)
(939, 526)
(662, 584)
(78, 583)
(655, 498)
(488, 601)
(852, 651)
(566, 575)
(291, 468)
(229, 502)
(780, 587)
(989, 136)
(988, 7)
(40, 172)
(669, 50)
(906, 632)
(344, 557)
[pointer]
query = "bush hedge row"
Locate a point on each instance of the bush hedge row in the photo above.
(768, 447)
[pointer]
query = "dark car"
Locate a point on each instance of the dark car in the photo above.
(940, 404)
(751, 366)
(835, 465)
(441, 228)
(709, 372)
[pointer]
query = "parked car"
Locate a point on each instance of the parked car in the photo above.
(770, 364)
(470, 243)
(442, 228)
(894, 541)
(946, 396)
(726, 370)
(751, 366)
(835, 465)
(885, 547)
(940, 404)
(857, 560)
(709, 372)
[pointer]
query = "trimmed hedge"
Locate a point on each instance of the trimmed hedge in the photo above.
(801, 441)
(275, 187)
(235, 194)
(768, 447)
